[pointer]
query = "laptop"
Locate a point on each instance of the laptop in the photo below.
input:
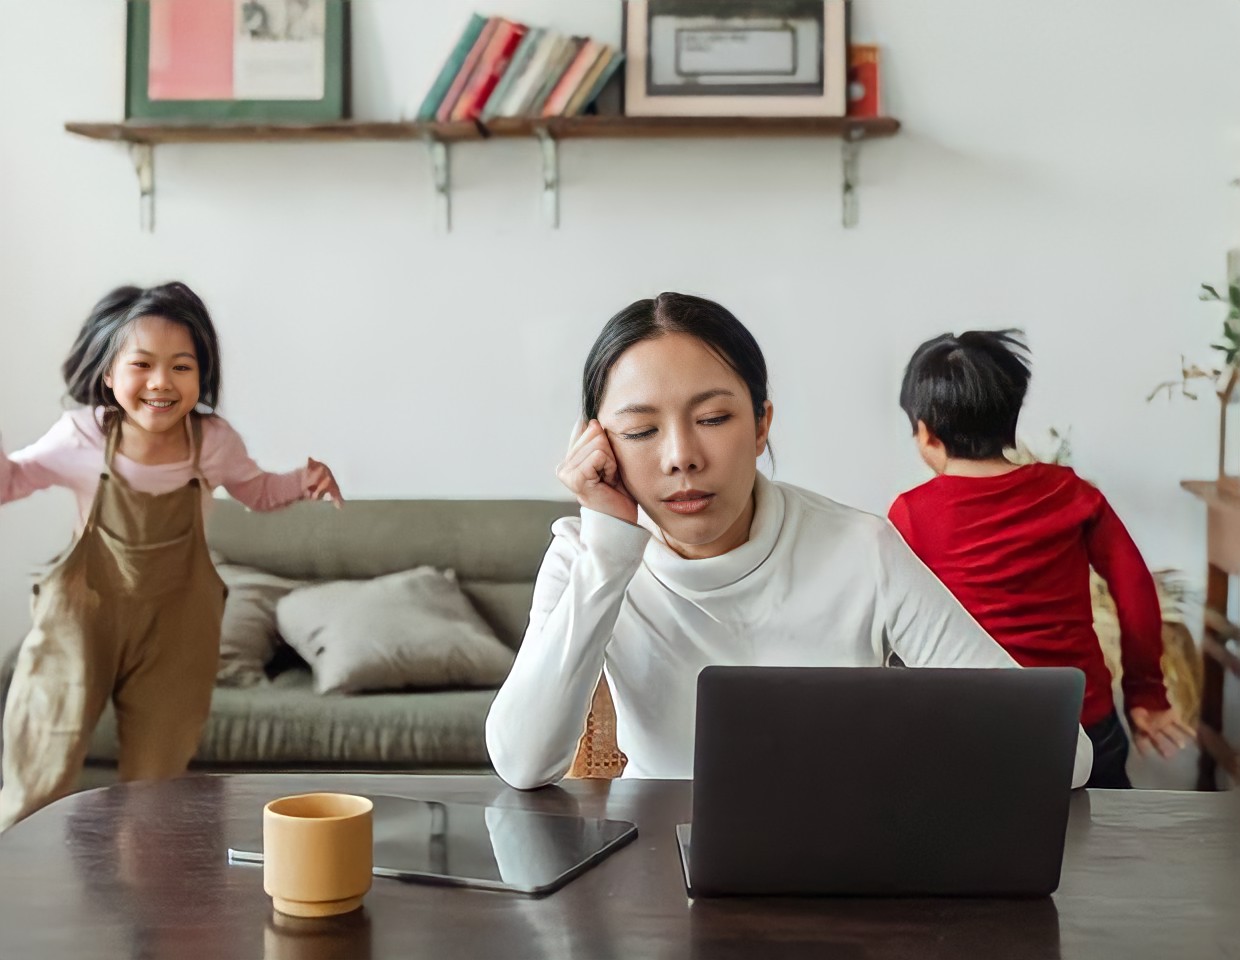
(881, 782)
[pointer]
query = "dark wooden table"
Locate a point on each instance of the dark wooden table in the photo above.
(140, 871)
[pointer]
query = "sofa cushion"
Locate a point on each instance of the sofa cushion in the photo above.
(496, 540)
(287, 724)
(248, 634)
(505, 606)
(414, 629)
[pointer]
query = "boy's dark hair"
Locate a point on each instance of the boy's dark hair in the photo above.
(709, 322)
(968, 390)
(102, 336)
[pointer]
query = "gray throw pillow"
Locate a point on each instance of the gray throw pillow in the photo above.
(248, 635)
(410, 629)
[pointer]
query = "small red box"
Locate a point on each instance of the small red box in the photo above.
(863, 85)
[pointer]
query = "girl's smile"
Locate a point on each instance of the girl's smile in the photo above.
(155, 381)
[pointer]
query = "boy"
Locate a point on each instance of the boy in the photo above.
(1015, 543)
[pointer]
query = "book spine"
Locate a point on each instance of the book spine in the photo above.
(600, 84)
(520, 62)
(571, 79)
(523, 92)
(444, 113)
(575, 102)
(492, 65)
(451, 68)
(554, 73)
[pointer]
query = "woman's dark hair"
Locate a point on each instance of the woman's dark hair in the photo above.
(102, 336)
(968, 390)
(667, 313)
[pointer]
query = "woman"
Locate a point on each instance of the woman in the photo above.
(684, 556)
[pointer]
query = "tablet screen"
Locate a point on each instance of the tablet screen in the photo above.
(476, 845)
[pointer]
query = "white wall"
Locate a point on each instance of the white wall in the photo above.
(1063, 167)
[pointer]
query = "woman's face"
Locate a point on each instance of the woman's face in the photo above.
(681, 423)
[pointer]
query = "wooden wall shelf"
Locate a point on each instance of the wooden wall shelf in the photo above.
(143, 136)
(562, 128)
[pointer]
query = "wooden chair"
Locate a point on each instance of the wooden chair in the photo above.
(598, 756)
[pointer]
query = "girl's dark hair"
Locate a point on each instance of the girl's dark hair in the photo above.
(102, 336)
(667, 313)
(968, 390)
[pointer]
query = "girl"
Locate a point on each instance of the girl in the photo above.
(132, 611)
(684, 555)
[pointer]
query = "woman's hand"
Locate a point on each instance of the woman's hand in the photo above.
(590, 470)
(1162, 730)
(320, 484)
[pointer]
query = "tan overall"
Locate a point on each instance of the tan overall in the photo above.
(131, 613)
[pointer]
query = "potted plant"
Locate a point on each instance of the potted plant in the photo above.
(1225, 381)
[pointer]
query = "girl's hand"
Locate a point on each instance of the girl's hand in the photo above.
(1162, 730)
(320, 484)
(592, 473)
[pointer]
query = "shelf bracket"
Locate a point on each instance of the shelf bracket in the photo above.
(851, 150)
(143, 157)
(443, 181)
(551, 176)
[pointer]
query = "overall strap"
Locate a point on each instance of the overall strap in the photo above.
(195, 440)
(113, 440)
(112, 437)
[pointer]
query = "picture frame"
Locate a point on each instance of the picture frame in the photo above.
(736, 58)
(276, 61)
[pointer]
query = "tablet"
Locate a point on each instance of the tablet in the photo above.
(477, 845)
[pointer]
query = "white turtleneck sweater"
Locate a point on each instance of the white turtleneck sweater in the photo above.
(818, 584)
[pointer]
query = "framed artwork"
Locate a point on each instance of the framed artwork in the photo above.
(736, 58)
(257, 60)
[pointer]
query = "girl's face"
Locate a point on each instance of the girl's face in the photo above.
(155, 377)
(681, 423)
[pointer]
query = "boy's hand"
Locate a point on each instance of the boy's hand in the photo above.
(320, 484)
(1162, 730)
(590, 470)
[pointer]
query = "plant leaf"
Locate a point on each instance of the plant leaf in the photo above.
(1213, 294)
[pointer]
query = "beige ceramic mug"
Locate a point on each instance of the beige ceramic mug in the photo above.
(318, 853)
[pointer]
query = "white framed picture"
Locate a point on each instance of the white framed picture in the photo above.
(736, 58)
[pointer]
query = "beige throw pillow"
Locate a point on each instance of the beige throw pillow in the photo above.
(410, 629)
(248, 634)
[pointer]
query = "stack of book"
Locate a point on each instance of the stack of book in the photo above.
(500, 68)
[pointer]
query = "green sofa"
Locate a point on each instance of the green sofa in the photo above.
(495, 547)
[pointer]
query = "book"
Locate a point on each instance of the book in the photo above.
(491, 66)
(572, 78)
(863, 81)
(520, 61)
(555, 70)
(444, 113)
(614, 62)
(451, 67)
(576, 103)
(531, 79)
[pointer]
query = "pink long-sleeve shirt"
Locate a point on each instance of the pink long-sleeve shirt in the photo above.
(71, 454)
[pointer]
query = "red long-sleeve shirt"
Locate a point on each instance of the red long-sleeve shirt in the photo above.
(1016, 551)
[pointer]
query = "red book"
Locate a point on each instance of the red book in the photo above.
(444, 113)
(494, 61)
(863, 91)
(571, 80)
